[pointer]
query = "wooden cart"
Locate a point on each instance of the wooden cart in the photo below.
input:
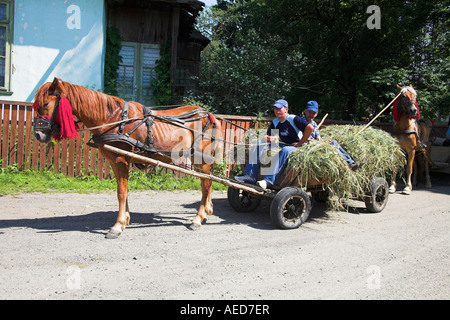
(290, 204)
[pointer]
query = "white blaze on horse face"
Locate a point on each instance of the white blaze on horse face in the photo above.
(410, 89)
(411, 94)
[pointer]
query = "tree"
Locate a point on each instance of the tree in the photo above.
(241, 72)
(430, 68)
(324, 50)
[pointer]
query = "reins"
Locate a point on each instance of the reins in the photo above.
(379, 114)
(166, 120)
(112, 123)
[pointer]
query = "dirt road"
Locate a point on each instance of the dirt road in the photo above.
(53, 247)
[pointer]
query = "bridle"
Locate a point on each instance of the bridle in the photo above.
(403, 101)
(413, 129)
(46, 123)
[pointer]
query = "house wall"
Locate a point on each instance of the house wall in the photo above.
(151, 23)
(64, 39)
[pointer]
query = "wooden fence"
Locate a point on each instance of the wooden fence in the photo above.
(20, 148)
(74, 158)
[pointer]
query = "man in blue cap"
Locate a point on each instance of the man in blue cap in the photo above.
(311, 111)
(291, 131)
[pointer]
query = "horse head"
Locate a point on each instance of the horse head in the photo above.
(407, 101)
(54, 113)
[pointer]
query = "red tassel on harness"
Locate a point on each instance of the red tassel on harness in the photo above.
(418, 112)
(65, 119)
(395, 112)
(211, 117)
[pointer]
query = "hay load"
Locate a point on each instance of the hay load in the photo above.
(319, 161)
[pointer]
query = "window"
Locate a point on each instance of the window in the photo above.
(6, 23)
(137, 71)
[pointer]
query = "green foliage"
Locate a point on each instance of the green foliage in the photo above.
(242, 73)
(13, 181)
(323, 50)
(237, 80)
(112, 60)
(161, 86)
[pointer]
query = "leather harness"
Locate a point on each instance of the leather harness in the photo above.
(422, 144)
(148, 120)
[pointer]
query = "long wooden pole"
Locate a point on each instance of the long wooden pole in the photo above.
(321, 122)
(154, 162)
(365, 127)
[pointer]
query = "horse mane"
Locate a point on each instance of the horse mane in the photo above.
(85, 102)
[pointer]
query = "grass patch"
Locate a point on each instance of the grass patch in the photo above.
(14, 181)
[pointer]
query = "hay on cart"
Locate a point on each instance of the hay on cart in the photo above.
(320, 161)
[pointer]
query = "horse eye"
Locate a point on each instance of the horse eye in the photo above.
(45, 105)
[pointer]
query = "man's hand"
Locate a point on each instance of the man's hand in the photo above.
(272, 139)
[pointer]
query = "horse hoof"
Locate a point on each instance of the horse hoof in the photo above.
(195, 226)
(113, 234)
(428, 185)
(406, 191)
(391, 189)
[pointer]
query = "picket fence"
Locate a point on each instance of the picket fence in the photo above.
(75, 158)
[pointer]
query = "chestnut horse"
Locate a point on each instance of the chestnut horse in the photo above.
(104, 114)
(413, 135)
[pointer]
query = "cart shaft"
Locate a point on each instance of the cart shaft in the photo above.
(227, 182)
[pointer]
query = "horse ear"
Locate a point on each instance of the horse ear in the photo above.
(399, 87)
(55, 87)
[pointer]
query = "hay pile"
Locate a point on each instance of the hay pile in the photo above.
(319, 161)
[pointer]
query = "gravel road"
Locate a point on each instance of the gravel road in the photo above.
(53, 247)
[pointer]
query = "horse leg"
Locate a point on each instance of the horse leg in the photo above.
(409, 169)
(205, 204)
(207, 185)
(123, 217)
(393, 186)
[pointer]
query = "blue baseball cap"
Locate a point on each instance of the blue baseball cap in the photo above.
(280, 104)
(313, 106)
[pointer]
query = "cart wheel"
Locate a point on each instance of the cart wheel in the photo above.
(290, 208)
(378, 195)
(242, 201)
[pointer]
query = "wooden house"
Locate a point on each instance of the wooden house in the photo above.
(41, 39)
(144, 26)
